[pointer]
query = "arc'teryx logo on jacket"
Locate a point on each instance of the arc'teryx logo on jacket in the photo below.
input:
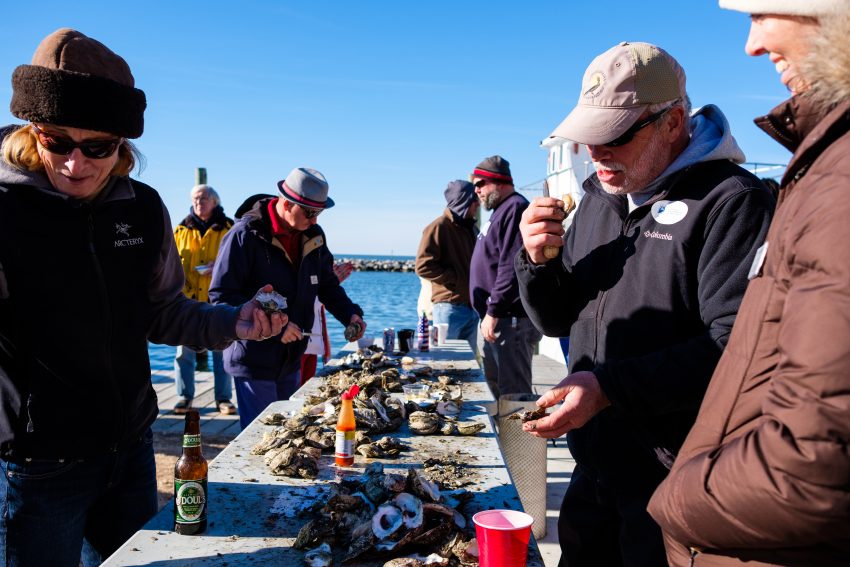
(122, 228)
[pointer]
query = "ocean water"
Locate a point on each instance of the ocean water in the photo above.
(388, 299)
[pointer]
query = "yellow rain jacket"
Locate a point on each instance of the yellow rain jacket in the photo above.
(198, 250)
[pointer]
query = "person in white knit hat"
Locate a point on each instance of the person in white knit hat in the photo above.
(764, 476)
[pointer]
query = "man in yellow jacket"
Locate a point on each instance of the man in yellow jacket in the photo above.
(198, 237)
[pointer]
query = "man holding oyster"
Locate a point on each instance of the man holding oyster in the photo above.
(278, 240)
(647, 285)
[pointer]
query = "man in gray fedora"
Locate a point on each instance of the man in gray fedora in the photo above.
(647, 285)
(278, 240)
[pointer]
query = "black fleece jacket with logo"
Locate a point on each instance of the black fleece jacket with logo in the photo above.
(648, 299)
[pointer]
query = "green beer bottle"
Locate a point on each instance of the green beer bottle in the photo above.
(190, 481)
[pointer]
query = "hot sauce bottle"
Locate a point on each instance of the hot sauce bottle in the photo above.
(345, 428)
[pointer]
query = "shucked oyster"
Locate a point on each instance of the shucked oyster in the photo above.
(271, 301)
(528, 415)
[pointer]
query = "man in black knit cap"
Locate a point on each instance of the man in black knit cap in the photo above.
(507, 337)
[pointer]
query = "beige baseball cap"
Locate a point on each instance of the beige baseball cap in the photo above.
(617, 88)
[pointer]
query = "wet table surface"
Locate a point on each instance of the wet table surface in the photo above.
(253, 515)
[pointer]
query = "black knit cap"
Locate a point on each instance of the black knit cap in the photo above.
(494, 167)
(78, 82)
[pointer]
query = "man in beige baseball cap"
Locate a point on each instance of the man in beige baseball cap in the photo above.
(650, 275)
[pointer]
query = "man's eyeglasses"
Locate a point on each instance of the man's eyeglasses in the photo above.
(481, 183)
(629, 134)
(62, 145)
(311, 213)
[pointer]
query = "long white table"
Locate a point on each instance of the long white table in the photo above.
(253, 514)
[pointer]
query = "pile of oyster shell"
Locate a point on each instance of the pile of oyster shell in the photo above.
(293, 448)
(392, 516)
(295, 445)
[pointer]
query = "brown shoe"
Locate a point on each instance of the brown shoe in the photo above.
(225, 407)
(182, 406)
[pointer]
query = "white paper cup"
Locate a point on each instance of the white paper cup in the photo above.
(442, 331)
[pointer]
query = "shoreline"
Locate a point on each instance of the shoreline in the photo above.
(367, 265)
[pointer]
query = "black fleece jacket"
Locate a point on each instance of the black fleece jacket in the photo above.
(648, 299)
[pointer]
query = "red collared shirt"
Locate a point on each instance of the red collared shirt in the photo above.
(289, 239)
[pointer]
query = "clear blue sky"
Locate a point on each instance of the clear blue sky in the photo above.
(390, 100)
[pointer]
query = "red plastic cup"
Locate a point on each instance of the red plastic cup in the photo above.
(502, 537)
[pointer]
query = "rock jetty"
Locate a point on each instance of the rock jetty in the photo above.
(364, 265)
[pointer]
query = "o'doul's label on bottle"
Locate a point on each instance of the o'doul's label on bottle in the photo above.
(191, 440)
(344, 445)
(190, 502)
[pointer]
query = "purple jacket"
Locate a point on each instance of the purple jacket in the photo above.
(492, 280)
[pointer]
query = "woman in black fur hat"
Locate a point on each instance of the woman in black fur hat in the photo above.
(88, 273)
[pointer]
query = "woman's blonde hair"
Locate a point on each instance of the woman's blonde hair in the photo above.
(20, 149)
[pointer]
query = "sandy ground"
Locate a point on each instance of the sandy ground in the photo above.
(167, 448)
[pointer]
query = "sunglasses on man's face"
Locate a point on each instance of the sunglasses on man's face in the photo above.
(310, 213)
(481, 183)
(629, 134)
(62, 145)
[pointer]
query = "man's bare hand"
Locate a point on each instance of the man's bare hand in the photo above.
(488, 328)
(359, 320)
(541, 226)
(291, 333)
(582, 397)
(254, 324)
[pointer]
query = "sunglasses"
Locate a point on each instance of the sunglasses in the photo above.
(481, 183)
(62, 145)
(629, 134)
(311, 213)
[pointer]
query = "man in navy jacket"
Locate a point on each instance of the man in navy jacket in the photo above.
(653, 270)
(279, 241)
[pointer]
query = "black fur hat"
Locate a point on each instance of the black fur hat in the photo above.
(77, 81)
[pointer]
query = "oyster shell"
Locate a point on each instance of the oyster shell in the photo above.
(313, 531)
(319, 557)
(421, 486)
(386, 447)
(448, 408)
(366, 419)
(292, 461)
(298, 423)
(271, 440)
(423, 423)
(271, 301)
(395, 482)
(352, 330)
(411, 509)
(274, 418)
(387, 520)
(469, 427)
(528, 415)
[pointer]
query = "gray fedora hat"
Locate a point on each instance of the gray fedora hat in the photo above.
(307, 187)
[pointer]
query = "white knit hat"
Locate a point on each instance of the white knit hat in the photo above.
(785, 7)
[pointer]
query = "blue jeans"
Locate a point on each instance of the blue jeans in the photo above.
(50, 506)
(462, 321)
(184, 374)
(253, 396)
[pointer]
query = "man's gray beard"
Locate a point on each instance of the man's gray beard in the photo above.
(493, 199)
(644, 170)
